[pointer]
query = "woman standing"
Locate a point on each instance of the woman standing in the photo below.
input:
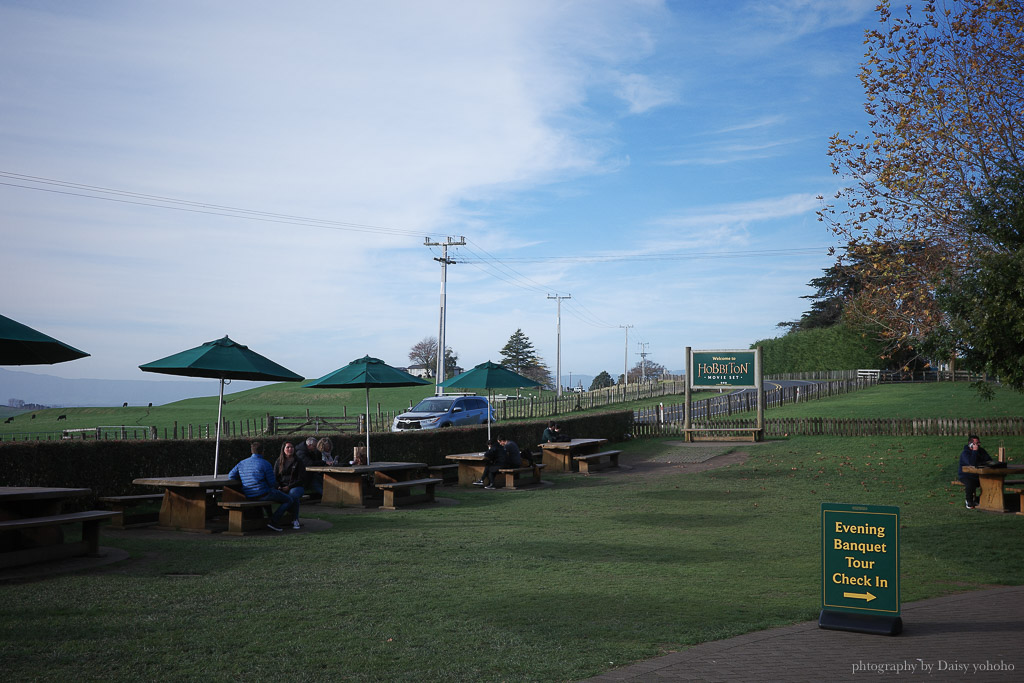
(291, 478)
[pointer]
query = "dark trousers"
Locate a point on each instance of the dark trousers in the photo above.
(971, 486)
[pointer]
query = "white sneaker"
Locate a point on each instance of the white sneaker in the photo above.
(296, 525)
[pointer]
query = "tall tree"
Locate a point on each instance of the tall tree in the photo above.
(646, 369)
(602, 380)
(985, 305)
(424, 352)
(519, 356)
(944, 91)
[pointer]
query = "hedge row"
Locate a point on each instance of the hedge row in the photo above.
(108, 467)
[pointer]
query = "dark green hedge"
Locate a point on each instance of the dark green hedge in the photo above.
(108, 467)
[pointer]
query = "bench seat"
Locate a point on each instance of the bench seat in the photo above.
(448, 474)
(597, 461)
(11, 555)
(397, 493)
(515, 477)
(121, 504)
(689, 434)
(245, 515)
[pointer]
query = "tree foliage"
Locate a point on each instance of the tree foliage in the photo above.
(985, 305)
(602, 381)
(646, 369)
(424, 352)
(519, 356)
(944, 93)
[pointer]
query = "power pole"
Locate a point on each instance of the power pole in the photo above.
(558, 328)
(625, 358)
(643, 359)
(444, 261)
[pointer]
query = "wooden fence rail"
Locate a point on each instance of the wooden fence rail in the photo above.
(825, 426)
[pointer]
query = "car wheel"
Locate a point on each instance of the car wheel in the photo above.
(446, 424)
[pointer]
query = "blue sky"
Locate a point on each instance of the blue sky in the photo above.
(656, 161)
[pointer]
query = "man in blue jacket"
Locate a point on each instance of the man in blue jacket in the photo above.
(973, 455)
(259, 483)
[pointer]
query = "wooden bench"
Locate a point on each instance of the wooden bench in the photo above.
(245, 515)
(689, 434)
(514, 478)
(597, 461)
(398, 493)
(448, 474)
(121, 504)
(11, 555)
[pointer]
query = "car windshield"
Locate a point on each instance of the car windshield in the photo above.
(433, 405)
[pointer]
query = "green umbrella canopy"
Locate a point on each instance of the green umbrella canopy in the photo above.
(21, 345)
(489, 376)
(222, 359)
(366, 372)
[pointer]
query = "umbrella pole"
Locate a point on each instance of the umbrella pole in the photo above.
(216, 448)
(489, 399)
(367, 425)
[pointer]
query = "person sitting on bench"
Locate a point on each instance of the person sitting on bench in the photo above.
(513, 458)
(494, 460)
(973, 455)
(259, 483)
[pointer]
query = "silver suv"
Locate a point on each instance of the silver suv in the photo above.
(445, 411)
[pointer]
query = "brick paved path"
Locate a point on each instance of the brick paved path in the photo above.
(964, 637)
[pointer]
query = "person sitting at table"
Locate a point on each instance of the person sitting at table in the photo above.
(973, 455)
(494, 460)
(291, 476)
(259, 483)
(513, 458)
(551, 433)
(309, 455)
(326, 449)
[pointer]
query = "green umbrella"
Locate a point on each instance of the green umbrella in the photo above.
(222, 359)
(489, 376)
(21, 345)
(366, 372)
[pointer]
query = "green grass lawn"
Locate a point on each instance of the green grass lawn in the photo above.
(557, 583)
(933, 400)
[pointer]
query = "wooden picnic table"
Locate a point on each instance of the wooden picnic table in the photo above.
(558, 454)
(31, 521)
(471, 467)
(187, 499)
(347, 484)
(992, 479)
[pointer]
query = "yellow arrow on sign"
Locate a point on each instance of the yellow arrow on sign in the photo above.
(866, 597)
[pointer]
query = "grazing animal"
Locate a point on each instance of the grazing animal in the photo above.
(125, 404)
(62, 417)
(33, 416)
(9, 420)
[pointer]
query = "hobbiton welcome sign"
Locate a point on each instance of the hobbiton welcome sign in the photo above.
(860, 567)
(723, 369)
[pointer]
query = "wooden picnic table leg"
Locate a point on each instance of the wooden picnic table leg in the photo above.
(342, 489)
(991, 493)
(556, 461)
(184, 509)
(470, 471)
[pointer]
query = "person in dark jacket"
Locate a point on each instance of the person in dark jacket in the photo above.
(513, 458)
(309, 455)
(494, 460)
(973, 455)
(291, 477)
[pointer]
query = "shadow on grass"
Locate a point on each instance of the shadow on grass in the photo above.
(611, 553)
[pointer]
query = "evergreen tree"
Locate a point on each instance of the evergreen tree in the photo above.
(602, 380)
(518, 355)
